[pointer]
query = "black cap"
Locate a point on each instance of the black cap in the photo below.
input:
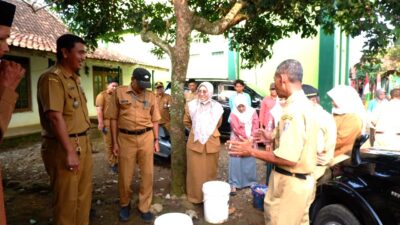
(142, 76)
(7, 11)
(310, 91)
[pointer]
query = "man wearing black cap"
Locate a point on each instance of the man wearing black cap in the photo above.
(11, 74)
(134, 118)
(102, 103)
(164, 103)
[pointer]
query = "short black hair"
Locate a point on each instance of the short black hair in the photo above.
(238, 81)
(67, 41)
(191, 80)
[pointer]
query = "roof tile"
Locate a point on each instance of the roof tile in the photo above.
(40, 30)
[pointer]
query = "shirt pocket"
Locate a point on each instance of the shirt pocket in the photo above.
(124, 104)
(72, 98)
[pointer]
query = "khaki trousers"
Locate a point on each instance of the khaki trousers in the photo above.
(287, 200)
(111, 158)
(136, 149)
(72, 192)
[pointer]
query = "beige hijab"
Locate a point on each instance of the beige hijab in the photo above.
(348, 101)
(205, 115)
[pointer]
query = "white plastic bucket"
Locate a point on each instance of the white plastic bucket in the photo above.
(173, 218)
(216, 197)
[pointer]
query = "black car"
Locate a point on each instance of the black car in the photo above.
(367, 191)
(223, 89)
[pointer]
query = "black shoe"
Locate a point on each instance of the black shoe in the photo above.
(147, 217)
(124, 213)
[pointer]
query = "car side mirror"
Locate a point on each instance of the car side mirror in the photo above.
(355, 153)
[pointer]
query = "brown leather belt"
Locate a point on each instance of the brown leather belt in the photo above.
(381, 132)
(135, 132)
(287, 173)
(84, 133)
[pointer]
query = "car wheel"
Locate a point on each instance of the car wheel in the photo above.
(335, 215)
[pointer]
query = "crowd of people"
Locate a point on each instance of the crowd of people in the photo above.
(303, 142)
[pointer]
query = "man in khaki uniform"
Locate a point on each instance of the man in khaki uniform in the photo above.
(387, 124)
(134, 128)
(11, 74)
(291, 183)
(164, 103)
(66, 147)
(191, 93)
(102, 103)
(326, 134)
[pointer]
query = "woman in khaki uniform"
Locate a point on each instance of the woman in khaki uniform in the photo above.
(203, 116)
(350, 118)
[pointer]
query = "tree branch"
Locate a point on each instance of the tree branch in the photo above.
(232, 18)
(36, 9)
(149, 36)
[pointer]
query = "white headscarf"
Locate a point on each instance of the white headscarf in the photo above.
(205, 115)
(246, 116)
(347, 100)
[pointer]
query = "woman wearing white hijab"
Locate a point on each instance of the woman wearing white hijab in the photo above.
(203, 116)
(244, 123)
(350, 118)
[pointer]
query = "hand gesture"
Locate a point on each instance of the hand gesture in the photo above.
(11, 74)
(262, 136)
(239, 148)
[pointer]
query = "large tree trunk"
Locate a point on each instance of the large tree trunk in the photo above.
(179, 61)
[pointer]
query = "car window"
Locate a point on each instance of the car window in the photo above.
(224, 92)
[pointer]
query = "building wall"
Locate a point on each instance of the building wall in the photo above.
(39, 63)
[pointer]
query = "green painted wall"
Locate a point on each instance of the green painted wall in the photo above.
(326, 68)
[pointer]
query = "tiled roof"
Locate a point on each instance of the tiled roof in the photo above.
(39, 31)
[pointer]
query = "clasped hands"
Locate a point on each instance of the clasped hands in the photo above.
(244, 146)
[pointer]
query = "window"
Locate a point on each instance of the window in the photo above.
(101, 76)
(24, 102)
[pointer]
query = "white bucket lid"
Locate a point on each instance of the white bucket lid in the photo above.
(173, 218)
(216, 186)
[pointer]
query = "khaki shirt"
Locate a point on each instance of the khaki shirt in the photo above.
(297, 134)
(8, 98)
(103, 100)
(133, 112)
(164, 102)
(348, 127)
(59, 91)
(326, 136)
(189, 96)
